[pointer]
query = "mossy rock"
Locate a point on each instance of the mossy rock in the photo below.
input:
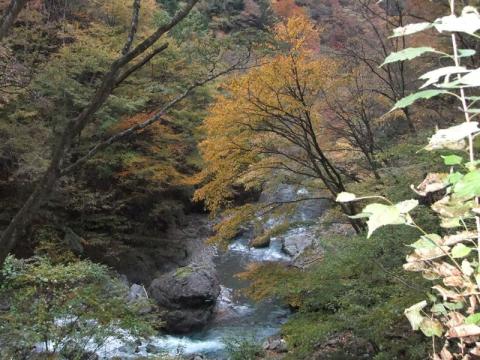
(261, 241)
(183, 272)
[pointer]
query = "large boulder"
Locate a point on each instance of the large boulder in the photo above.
(296, 240)
(188, 295)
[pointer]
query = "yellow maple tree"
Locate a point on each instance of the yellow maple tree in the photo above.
(266, 120)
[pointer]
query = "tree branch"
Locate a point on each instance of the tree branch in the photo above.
(122, 77)
(10, 15)
(133, 27)
(159, 116)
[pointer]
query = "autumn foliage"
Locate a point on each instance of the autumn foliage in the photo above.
(268, 120)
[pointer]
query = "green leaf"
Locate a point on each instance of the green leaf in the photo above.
(451, 160)
(471, 79)
(431, 327)
(467, 268)
(468, 22)
(410, 99)
(414, 316)
(452, 137)
(438, 309)
(430, 241)
(460, 251)
(469, 186)
(453, 306)
(473, 319)
(450, 223)
(434, 76)
(406, 206)
(454, 177)
(345, 197)
(381, 215)
(407, 54)
(466, 52)
(411, 29)
(472, 165)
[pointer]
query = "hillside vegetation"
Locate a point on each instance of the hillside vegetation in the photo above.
(140, 139)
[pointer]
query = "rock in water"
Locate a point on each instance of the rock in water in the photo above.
(296, 240)
(188, 295)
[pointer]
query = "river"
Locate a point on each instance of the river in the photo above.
(236, 316)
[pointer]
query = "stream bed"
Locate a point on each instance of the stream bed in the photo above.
(236, 316)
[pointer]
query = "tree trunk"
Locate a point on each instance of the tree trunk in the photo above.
(411, 125)
(73, 128)
(10, 15)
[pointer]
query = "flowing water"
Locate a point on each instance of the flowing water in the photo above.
(236, 316)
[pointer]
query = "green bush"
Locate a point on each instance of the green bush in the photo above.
(67, 308)
(360, 287)
(243, 348)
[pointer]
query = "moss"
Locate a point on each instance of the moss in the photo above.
(263, 240)
(360, 286)
(183, 272)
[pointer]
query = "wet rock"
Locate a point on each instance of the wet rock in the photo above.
(152, 349)
(306, 210)
(227, 309)
(137, 265)
(275, 344)
(311, 209)
(188, 295)
(281, 192)
(129, 349)
(261, 241)
(196, 357)
(295, 241)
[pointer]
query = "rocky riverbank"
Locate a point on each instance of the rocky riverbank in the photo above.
(201, 300)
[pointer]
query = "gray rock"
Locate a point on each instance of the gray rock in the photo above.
(275, 344)
(295, 241)
(137, 292)
(73, 241)
(282, 192)
(311, 209)
(138, 297)
(197, 357)
(129, 349)
(153, 349)
(188, 295)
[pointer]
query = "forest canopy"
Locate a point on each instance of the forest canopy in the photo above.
(175, 170)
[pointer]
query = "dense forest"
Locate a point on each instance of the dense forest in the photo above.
(239, 179)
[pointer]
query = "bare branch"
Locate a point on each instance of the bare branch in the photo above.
(73, 127)
(158, 117)
(133, 27)
(122, 77)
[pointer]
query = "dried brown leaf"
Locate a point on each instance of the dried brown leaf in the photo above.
(463, 331)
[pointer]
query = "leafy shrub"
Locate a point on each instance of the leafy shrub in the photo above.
(449, 257)
(63, 308)
(243, 348)
(359, 286)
